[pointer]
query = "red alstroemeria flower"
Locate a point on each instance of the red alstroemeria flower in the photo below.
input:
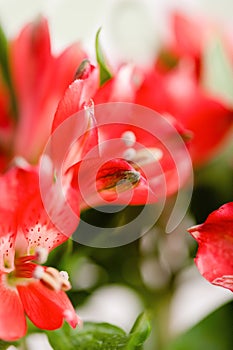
(215, 252)
(130, 137)
(39, 80)
(187, 40)
(178, 93)
(175, 85)
(27, 236)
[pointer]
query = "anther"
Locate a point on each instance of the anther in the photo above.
(129, 154)
(38, 272)
(128, 138)
(149, 155)
(41, 255)
(64, 275)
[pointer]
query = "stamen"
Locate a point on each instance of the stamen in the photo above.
(51, 279)
(64, 275)
(38, 272)
(129, 154)
(20, 162)
(128, 138)
(64, 278)
(55, 280)
(41, 255)
(149, 155)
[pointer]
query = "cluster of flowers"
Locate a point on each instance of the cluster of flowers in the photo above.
(39, 92)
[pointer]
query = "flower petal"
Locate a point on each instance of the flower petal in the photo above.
(50, 75)
(74, 129)
(181, 95)
(12, 318)
(78, 93)
(51, 214)
(121, 88)
(17, 185)
(47, 308)
(215, 252)
(7, 246)
(48, 224)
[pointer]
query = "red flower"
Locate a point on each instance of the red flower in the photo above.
(27, 236)
(39, 79)
(215, 252)
(178, 93)
(130, 137)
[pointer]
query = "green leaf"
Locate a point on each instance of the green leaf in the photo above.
(99, 336)
(215, 332)
(92, 337)
(217, 74)
(140, 332)
(105, 74)
(5, 70)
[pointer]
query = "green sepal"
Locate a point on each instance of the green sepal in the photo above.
(105, 74)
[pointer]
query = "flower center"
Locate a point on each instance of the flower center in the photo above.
(26, 271)
(142, 156)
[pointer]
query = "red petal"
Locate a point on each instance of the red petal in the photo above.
(49, 74)
(12, 319)
(78, 93)
(180, 95)
(121, 88)
(17, 186)
(189, 34)
(50, 223)
(46, 308)
(215, 252)
(52, 214)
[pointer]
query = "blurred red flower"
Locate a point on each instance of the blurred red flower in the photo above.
(215, 246)
(38, 80)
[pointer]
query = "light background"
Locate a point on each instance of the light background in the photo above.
(131, 29)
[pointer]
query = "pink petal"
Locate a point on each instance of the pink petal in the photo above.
(7, 246)
(51, 225)
(215, 252)
(12, 319)
(51, 214)
(46, 308)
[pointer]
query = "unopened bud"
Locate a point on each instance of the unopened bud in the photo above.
(84, 70)
(119, 179)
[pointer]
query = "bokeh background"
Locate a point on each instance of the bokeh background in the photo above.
(156, 272)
